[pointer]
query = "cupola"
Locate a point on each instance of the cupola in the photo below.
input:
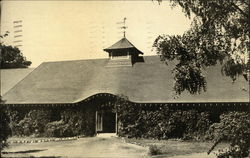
(123, 52)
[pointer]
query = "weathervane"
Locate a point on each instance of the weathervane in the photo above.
(124, 27)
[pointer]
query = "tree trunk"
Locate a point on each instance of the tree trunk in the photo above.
(0, 149)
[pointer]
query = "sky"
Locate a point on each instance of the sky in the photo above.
(74, 30)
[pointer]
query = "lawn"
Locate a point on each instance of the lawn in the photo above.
(107, 147)
(174, 147)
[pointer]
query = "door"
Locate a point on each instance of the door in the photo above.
(99, 121)
(106, 122)
(109, 122)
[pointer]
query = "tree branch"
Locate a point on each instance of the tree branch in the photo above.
(240, 10)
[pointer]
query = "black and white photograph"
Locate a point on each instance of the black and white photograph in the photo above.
(124, 79)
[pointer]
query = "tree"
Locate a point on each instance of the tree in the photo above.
(219, 33)
(4, 126)
(11, 57)
(235, 128)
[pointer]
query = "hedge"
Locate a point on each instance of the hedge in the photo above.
(41, 122)
(162, 123)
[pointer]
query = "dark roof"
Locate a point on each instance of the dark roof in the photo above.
(122, 44)
(151, 81)
(10, 77)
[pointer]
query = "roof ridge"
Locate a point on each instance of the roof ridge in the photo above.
(74, 60)
(82, 60)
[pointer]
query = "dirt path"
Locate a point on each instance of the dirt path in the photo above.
(84, 147)
(88, 147)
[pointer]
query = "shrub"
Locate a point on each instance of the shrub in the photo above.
(160, 122)
(51, 123)
(154, 123)
(77, 121)
(154, 150)
(73, 122)
(235, 128)
(5, 130)
(52, 129)
(127, 115)
(197, 124)
(15, 118)
(34, 122)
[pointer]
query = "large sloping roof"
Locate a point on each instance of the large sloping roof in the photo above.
(151, 81)
(10, 77)
(122, 44)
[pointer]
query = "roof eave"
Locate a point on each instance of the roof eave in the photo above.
(109, 50)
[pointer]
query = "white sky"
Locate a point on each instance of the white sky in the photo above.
(73, 30)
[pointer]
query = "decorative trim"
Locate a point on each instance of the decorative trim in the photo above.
(182, 104)
(46, 140)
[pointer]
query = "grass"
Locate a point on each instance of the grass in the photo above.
(174, 147)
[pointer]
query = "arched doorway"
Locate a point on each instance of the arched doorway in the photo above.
(105, 115)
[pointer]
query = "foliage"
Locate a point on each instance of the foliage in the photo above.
(235, 128)
(154, 123)
(5, 130)
(127, 114)
(154, 150)
(72, 123)
(15, 118)
(58, 129)
(33, 123)
(46, 122)
(219, 32)
(11, 57)
(160, 122)
(78, 121)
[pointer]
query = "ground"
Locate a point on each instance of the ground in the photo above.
(84, 147)
(107, 147)
(177, 148)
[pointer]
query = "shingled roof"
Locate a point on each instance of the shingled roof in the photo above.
(150, 81)
(10, 77)
(122, 44)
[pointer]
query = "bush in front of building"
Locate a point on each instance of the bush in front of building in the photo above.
(160, 122)
(73, 122)
(185, 124)
(127, 115)
(33, 123)
(54, 129)
(15, 117)
(64, 122)
(68, 126)
(5, 130)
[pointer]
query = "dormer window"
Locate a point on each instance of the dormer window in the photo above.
(113, 55)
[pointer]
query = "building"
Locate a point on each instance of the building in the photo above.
(145, 80)
(17, 34)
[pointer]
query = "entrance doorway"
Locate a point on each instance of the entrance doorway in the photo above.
(106, 122)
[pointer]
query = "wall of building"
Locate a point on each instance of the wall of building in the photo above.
(147, 120)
